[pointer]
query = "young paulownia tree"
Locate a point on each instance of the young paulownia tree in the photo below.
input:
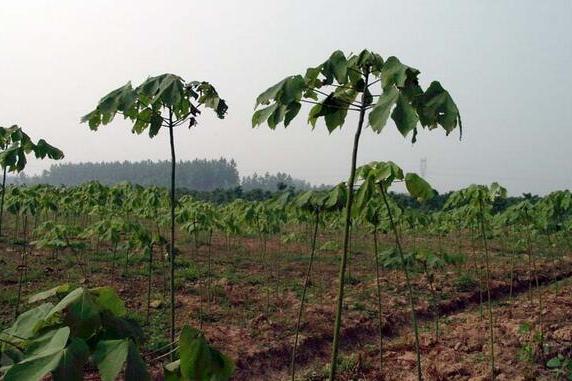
(375, 89)
(165, 101)
(15, 145)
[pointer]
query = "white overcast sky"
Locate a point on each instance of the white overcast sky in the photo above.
(506, 63)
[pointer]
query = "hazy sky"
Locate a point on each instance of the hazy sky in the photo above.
(506, 63)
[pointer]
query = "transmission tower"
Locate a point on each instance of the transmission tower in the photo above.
(423, 167)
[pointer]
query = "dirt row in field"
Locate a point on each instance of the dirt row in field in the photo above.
(359, 331)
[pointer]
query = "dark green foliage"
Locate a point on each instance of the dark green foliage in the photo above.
(60, 339)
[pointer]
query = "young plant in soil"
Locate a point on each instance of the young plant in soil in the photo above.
(315, 203)
(478, 201)
(15, 145)
(342, 84)
(164, 101)
(378, 177)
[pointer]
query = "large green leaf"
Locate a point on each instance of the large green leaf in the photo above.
(43, 358)
(260, 116)
(73, 359)
(70, 298)
(43, 149)
(61, 289)
(382, 109)
(110, 357)
(292, 89)
(418, 188)
(336, 66)
(26, 323)
(107, 298)
(200, 362)
(269, 94)
(135, 369)
(393, 73)
(437, 107)
(404, 116)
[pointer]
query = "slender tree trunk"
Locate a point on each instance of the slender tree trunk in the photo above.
(306, 284)
(23, 270)
(540, 324)
(487, 279)
(348, 217)
(379, 310)
(2, 199)
(407, 280)
(149, 275)
(113, 258)
(209, 273)
(172, 245)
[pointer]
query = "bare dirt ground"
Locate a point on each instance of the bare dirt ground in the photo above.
(249, 309)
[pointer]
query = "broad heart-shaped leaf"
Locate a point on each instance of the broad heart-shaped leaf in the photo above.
(43, 149)
(404, 115)
(43, 358)
(363, 195)
(260, 116)
(291, 112)
(81, 312)
(110, 356)
(107, 298)
(269, 94)
(385, 172)
(336, 67)
(13, 158)
(435, 106)
(334, 109)
(337, 196)
(70, 298)
(393, 72)
(418, 188)
(200, 362)
(74, 357)
(303, 199)
(135, 370)
(292, 89)
(381, 111)
(26, 323)
(61, 289)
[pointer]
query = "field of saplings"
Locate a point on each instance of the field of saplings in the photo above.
(355, 282)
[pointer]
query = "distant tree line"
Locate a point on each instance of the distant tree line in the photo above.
(199, 175)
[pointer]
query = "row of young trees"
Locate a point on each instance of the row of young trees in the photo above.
(373, 87)
(131, 221)
(366, 84)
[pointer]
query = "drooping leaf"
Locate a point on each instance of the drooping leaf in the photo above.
(199, 361)
(107, 298)
(404, 116)
(393, 73)
(269, 94)
(61, 289)
(135, 369)
(418, 187)
(74, 357)
(260, 116)
(437, 107)
(110, 357)
(42, 359)
(25, 324)
(382, 109)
